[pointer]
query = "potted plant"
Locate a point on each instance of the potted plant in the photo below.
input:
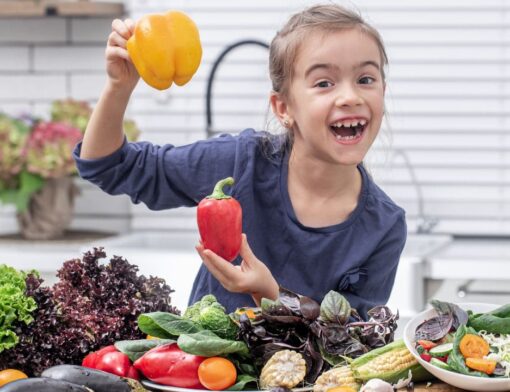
(37, 168)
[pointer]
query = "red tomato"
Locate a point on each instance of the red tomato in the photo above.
(426, 357)
(115, 363)
(169, 365)
(427, 344)
(108, 359)
(90, 360)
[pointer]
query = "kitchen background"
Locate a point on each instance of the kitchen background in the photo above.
(444, 153)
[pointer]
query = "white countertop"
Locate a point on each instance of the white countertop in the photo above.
(471, 258)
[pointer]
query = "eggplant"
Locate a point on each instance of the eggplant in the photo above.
(97, 380)
(43, 384)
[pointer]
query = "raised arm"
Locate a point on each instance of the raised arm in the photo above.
(104, 133)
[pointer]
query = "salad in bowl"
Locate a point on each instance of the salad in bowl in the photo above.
(465, 345)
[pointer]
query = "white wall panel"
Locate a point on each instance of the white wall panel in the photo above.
(447, 100)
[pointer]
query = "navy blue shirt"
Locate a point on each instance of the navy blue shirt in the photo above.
(358, 257)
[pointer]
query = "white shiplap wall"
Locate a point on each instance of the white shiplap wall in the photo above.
(448, 102)
(49, 58)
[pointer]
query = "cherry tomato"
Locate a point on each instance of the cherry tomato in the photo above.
(217, 373)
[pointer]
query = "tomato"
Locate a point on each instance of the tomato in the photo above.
(169, 365)
(108, 359)
(115, 363)
(9, 375)
(91, 359)
(427, 344)
(426, 356)
(217, 373)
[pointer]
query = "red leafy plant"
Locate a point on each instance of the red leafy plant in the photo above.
(93, 305)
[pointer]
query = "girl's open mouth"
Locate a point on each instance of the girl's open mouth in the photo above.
(349, 133)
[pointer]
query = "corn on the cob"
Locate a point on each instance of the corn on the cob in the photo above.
(340, 376)
(389, 363)
(285, 368)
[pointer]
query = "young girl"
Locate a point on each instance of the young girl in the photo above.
(314, 219)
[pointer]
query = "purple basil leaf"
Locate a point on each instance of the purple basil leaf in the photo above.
(290, 300)
(310, 309)
(435, 328)
(460, 316)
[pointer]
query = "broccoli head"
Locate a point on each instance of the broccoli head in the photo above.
(214, 319)
(193, 312)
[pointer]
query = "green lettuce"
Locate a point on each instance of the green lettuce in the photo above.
(15, 306)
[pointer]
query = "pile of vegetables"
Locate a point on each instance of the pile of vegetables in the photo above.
(93, 305)
(466, 343)
(283, 344)
(324, 334)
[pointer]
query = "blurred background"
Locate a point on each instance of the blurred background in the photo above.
(443, 154)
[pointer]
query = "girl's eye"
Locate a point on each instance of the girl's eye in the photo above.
(323, 84)
(366, 80)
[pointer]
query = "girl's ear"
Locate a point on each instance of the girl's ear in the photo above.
(280, 109)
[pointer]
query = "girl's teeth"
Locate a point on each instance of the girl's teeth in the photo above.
(338, 137)
(350, 123)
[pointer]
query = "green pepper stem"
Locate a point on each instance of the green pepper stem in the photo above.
(218, 189)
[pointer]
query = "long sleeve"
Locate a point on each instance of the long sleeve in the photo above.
(162, 176)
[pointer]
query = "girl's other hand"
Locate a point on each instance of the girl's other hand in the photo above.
(252, 276)
(121, 72)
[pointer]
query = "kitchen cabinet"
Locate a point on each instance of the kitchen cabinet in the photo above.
(38, 8)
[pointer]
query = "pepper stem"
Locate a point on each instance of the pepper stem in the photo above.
(218, 189)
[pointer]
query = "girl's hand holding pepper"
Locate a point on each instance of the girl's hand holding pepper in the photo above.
(251, 276)
(119, 67)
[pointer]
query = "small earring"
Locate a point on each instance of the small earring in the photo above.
(286, 123)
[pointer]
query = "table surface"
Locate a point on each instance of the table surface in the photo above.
(435, 387)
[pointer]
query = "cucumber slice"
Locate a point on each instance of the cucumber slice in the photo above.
(439, 363)
(441, 350)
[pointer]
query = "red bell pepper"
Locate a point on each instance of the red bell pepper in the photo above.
(108, 359)
(219, 218)
(169, 365)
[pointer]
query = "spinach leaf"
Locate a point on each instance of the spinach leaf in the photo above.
(456, 360)
(241, 382)
(165, 325)
(208, 344)
(490, 323)
(134, 349)
(244, 368)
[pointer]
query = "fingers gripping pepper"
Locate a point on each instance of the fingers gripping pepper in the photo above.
(219, 218)
(165, 48)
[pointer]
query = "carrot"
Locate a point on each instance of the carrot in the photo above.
(473, 346)
(484, 365)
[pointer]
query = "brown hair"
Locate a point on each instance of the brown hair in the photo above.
(326, 18)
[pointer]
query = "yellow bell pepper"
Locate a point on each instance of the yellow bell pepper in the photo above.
(165, 48)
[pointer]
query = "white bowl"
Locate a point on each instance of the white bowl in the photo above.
(469, 383)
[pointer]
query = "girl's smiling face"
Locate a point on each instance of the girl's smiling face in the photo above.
(336, 97)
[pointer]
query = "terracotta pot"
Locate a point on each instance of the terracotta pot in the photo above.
(50, 210)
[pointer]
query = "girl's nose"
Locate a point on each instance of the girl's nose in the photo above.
(348, 96)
